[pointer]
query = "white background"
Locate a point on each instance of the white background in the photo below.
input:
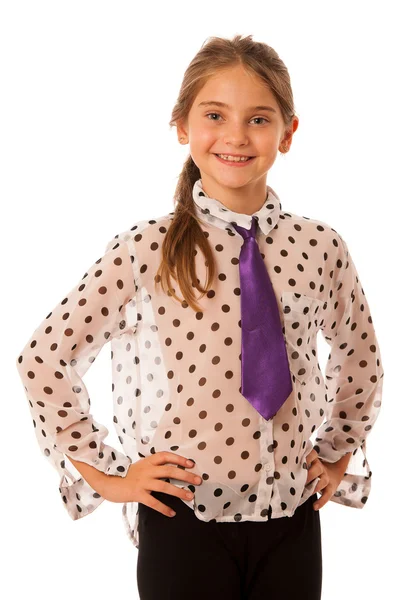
(86, 151)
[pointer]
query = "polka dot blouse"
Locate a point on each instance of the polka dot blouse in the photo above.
(176, 373)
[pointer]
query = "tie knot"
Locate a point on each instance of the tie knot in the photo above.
(247, 233)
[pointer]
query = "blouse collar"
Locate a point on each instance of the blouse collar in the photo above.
(211, 210)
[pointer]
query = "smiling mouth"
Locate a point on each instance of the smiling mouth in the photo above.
(240, 161)
(235, 155)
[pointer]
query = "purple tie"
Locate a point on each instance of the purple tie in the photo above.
(266, 377)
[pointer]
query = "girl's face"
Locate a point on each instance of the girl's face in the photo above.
(239, 128)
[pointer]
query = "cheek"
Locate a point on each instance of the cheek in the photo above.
(204, 143)
(205, 133)
(267, 146)
(206, 139)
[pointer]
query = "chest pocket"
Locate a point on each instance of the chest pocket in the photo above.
(301, 315)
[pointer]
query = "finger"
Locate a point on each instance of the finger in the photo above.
(310, 475)
(311, 458)
(161, 458)
(314, 470)
(173, 490)
(160, 507)
(320, 485)
(322, 500)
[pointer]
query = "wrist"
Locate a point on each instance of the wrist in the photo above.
(344, 461)
(93, 476)
(341, 464)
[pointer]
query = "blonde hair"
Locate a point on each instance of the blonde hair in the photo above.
(185, 231)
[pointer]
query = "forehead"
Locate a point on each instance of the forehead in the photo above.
(236, 89)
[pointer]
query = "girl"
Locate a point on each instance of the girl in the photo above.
(229, 379)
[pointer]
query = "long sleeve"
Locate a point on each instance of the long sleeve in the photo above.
(51, 367)
(354, 380)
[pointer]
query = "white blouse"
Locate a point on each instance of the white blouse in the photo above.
(176, 373)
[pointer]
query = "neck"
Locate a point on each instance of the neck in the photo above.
(246, 199)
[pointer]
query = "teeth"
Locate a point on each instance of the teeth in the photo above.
(234, 158)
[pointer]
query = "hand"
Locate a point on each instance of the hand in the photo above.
(331, 474)
(143, 477)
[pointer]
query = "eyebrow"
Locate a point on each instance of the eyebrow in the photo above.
(223, 105)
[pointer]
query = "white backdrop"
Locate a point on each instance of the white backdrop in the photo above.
(87, 88)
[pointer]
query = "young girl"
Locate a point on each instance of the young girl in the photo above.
(228, 378)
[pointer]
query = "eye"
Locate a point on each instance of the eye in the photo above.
(262, 118)
(209, 114)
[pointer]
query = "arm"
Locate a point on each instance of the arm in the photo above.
(92, 476)
(51, 367)
(343, 462)
(354, 380)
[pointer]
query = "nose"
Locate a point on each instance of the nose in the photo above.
(236, 136)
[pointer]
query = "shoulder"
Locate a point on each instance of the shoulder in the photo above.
(145, 229)
(314, 230)
(321, 239)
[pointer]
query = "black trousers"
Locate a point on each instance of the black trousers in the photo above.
(185, 558)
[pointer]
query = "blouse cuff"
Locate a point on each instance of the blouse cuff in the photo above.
(355, 486)
(78, 497)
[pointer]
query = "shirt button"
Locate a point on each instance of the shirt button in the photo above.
(267, 466)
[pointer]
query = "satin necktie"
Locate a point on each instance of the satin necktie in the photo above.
(266, 377)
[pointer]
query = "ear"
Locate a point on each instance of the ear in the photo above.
(289, 131)
(181, 130)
